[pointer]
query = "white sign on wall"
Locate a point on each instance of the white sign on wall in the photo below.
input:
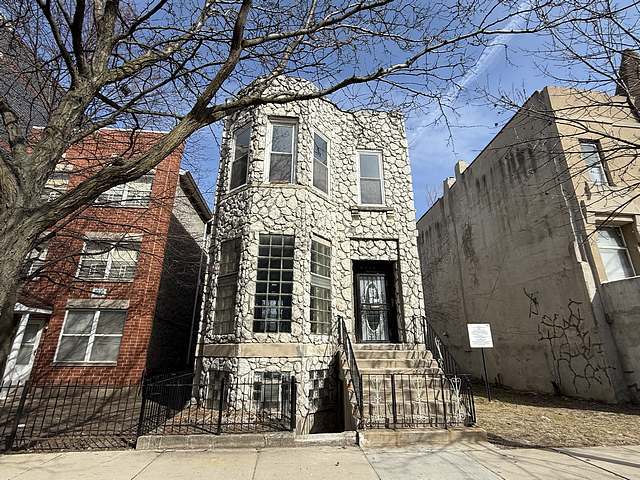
(480, 335)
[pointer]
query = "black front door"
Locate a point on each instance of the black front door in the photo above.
(375, 312)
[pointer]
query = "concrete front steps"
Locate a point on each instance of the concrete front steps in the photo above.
(423, 399)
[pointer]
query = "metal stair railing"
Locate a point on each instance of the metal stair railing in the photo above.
(347, 347)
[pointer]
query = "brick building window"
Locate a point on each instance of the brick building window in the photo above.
(593, 160)
(91, 336)
(135, 193)
(55, 186)
(103, 260)
(242, 139)
(271, 390)
(320, 164)
(614, 253)
(371, 191)
(320, 287)
(36, 258)
(274, 284)
(283, 151)
(227, 288)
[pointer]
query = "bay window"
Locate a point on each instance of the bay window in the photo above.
(320, 164)
(283, 152)
(239, 165)
(274, 284)
(320, 287)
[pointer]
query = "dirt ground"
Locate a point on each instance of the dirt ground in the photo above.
(521, 419)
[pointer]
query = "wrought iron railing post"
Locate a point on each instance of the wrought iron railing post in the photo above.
(294, 401)
(221, 404)
(16, 422)
(140, 429)
(394, 406)
(444, 403)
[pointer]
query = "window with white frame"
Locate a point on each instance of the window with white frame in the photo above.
(320, 287)
(370, 178)
(320, 163)
(283, 152)
(590, 151)
(36, 258)
(55, 186)
(91, 336)
(227, 288)
(242, 138)
(614, 253)
(111, 261)
(271, 390)
(135, 193)
(274, 284)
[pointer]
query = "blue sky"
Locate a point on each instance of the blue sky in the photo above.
(433, 149)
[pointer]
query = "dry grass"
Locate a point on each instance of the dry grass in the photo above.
(528, 419)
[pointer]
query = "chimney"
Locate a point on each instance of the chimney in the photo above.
(629, 74)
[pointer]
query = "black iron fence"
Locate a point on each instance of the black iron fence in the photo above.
(177, 406)
(79, 416)
(417, 400)
(71, 415)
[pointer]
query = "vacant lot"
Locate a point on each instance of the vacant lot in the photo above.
(529, 419)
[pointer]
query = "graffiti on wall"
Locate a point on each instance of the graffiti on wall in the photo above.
(577, 358)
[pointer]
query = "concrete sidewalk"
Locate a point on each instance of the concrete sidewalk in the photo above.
(477, 461)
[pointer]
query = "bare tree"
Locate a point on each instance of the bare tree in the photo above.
(597, 63)
(177, 65)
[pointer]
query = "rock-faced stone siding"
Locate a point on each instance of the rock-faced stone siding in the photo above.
(386, 232)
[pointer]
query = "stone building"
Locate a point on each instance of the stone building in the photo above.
(314, 222)
(539, 237)
(113, 289)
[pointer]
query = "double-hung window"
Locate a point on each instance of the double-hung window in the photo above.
(91, 336)
(55, 186)
(283, 152)
(614, 253)
(241, 142)
(135, 193)
(320, 287)
(593, 161)
(226, 290)
(36, 258)
(274, 284)
(320, 164)
(103, 260)
(371, 190)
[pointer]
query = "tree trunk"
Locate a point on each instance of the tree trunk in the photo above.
(16, 240)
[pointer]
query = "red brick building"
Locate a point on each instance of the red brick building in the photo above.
(114, 290)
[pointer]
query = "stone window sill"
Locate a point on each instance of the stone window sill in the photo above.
(85, 364)
(371, 208)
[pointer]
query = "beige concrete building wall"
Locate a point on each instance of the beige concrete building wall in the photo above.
(504, 245)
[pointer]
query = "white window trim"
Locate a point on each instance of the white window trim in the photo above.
(381, 170)
(92, 337)
(625, 248)
(233, 157)
(293, 122)
(601, 163)
(122, 203)
(107, 270)
(322, 278)
(41, 258)
(313, 159)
